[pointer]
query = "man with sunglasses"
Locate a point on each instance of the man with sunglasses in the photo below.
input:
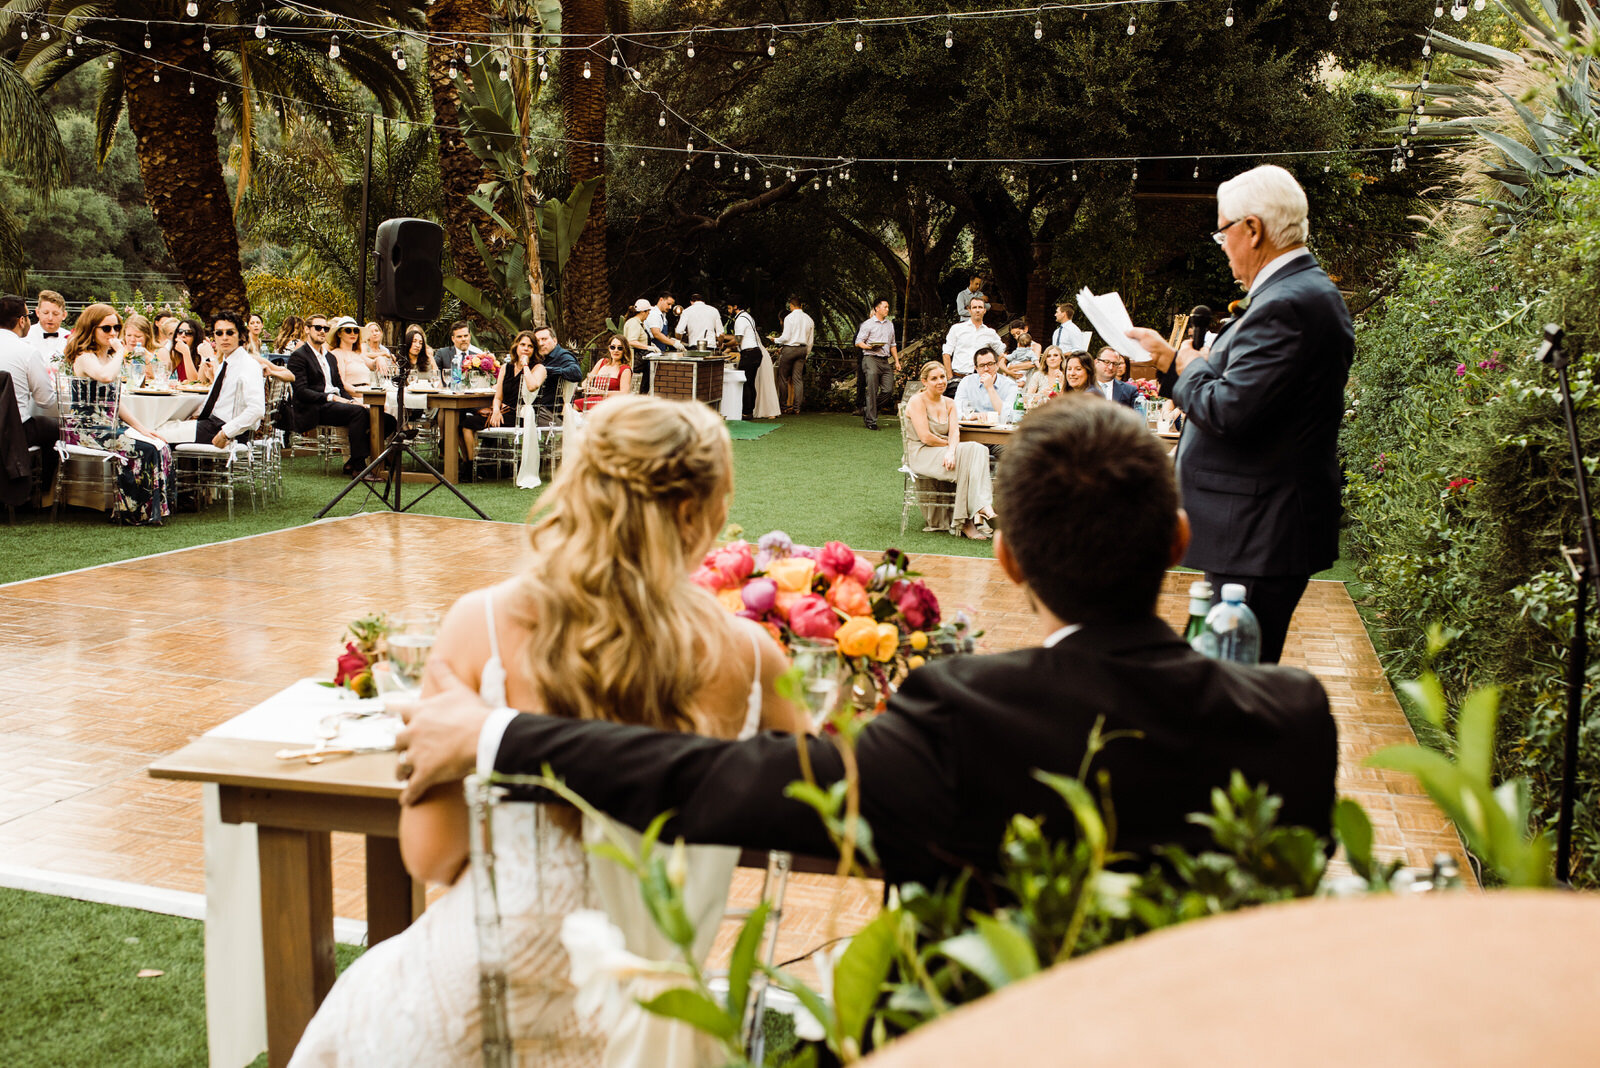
(238, 397)
(1258, 462)
(319, 394)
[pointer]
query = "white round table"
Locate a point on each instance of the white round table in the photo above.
(153, 409)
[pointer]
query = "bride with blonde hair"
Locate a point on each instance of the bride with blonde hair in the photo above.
(603, 623)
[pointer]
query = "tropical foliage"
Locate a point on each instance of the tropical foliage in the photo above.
(33, 149)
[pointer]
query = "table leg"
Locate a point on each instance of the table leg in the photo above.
(394, 899)
(375, 425)
(450, 442)
(296, 932)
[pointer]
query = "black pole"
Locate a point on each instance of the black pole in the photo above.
(366, 187)
(1585, 563)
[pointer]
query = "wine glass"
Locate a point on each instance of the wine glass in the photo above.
(822, 672)
(410, 641)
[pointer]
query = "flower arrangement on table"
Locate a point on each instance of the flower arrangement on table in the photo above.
(883, 619)
(366, 645)
(1148, 388)
(479, 363)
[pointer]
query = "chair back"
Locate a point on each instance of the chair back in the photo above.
(86, 406)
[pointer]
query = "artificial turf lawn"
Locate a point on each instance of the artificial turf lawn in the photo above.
(818, 477)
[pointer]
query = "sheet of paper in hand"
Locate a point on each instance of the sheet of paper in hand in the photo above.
(1111, 321)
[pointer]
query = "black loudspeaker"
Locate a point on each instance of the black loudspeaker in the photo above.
(410, 272)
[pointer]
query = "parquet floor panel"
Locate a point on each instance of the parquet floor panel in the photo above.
(106, 669)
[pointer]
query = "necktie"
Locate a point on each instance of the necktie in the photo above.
(216, 391)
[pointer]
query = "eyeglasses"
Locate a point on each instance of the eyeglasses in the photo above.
(614, 348)
(318, 326)
(1216, 235)
(186, 333)
(224, 333)
(110, 328)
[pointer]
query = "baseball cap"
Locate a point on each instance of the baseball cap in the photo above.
(641, 305)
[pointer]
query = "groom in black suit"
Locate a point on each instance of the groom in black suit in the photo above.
(951, 761)
(320, 399)
(1257, 464)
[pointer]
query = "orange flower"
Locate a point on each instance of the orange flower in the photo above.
(850, 597)
(793, 574)
(732, 600)
(857, 636)
(888, 642)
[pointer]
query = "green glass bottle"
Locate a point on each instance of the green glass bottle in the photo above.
(1199, 638)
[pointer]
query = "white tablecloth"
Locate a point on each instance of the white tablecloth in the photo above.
(732, 392)
(152, 411)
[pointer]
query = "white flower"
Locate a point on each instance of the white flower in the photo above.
(600, 966)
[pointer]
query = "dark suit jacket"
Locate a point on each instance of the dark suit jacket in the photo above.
(563, 367)
(1125, 393)
(1257, 463)
(310, 384)
(951, 761)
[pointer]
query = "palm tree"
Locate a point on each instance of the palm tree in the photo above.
(195, 68)
(32, 150)
(586, 291)
(460, 170)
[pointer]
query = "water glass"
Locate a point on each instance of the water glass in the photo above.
(822, 673)
(410, 641)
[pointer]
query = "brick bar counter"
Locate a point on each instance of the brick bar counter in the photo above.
(687, 377)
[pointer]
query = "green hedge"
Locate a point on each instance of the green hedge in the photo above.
(1460, 488)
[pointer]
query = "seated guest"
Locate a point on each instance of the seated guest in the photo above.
(1124, 374)
(344, 339)
(184, 359)
(944, 769)
(414, 346)
(320, 397)
(1023, 359)
(509, 388)
(557, 365)
(1048, 381)
(136, 344)
(252, 343)
(165, 324)
(238, 397)
(449, 357)
(937, 451)
(986, 390)
(643, 499)
(47, 335)
(373, 348)
(290, 334)
(33, 381)
(1080, 372)
(1106, 382)
(611, 373)
(144, 471)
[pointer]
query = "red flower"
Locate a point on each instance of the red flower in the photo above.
(351, 664)
(916, 602)
(836, 559)
(811, 617)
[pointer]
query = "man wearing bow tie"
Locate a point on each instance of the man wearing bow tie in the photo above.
(46, 335)
(1257, 464)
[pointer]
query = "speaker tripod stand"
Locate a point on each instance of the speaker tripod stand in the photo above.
(393, 453)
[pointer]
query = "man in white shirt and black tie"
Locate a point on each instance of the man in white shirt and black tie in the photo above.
(47, 334)
(1066, 336)
(320, 398)
(794, 345)
(238, 397)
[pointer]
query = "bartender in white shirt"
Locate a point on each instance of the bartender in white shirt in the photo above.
(700, 324)
(238, 397)
(966, 338)
(46, 335)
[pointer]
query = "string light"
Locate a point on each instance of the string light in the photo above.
(222, 97)
(716, 161)
(25, 32)
(1478, 5)
(772, 44)
(156, 77)
(861, 42)
(111, 64)
(586, 72)
(399, 59)
(1133, 25)
(1038, 29)
(950, 165)
(767, 181)
(205, 42)
(147, 41)
(1458, 10)
(191, 87)
(896, 175)
(505, 71)
(544, 74)
(333, 53)
(193, 9)
(662, 121)
(1136, 170)
(1196, 168)
(689, 51)
(454, 73)
(616, 56)
(261, 27)
(747, 174)
(1227, 19)
(272, 48)
(950, 37)
(1333, 12)
(1074, 172)
(1438, 9)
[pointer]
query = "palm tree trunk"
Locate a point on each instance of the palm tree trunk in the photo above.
(460, 170)
(586, 293)
(183, 183)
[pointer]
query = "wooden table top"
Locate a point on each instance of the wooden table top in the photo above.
(250, 763)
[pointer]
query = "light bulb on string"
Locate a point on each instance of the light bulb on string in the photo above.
(272, 48)
(690, 147)
(616, 57)
(399, 59)
(77, 38)
(261, 27)
(861, 42)
(1038, 29)
(110, 63)
(950, 37)
(205, 42)
(772, 44)
(538, 58)
(147, 41)
(638, 75)
(333, 52)
(156, 77)
(641, 162)
(1325, 168)
(191, 87)
(950, 165)
(689, 51)
(44, 29)
(544, 74)
(1333, 12)
(662, 121)
(597, 156)
(747, 174)
(1135, 170)
(222, 97)
(896, 175)
(1458, 10)
(25, 32)
(1074, 173)
(70, 52)
(1196, 168)
(830, 181)
(716, 161)
(454, 73)
(505, 71)
(192, 8)
(587, 73)
(1438, 9)
(1133, 25)
(767, 181)
(1227, 18)
(816, 186)
(1427, 49)
(1478, 5)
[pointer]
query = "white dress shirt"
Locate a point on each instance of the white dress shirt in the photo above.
(52, 347)
(972, 397)
(1275, 265)
(699, 325)
(744, 328)
(1068, 338)
(798, 329)
(242, 400)
(30, 377)
(964, 340)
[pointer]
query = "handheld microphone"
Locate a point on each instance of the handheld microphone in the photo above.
(1199, 325)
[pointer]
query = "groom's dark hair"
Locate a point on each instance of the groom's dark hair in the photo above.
(1082, 476)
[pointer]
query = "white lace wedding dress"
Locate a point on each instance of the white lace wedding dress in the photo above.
(414, 1000)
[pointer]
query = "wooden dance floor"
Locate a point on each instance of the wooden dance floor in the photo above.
(102, 671)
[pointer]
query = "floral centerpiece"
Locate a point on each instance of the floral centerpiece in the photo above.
(478, 367)
(1148, 388)
(882, 618)
(366, 645)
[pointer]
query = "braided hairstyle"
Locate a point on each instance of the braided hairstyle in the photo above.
(619, 631)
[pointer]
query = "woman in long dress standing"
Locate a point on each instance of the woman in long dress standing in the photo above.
(603, 623)
(937, 451)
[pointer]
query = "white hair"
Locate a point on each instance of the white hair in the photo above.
(1271, 194)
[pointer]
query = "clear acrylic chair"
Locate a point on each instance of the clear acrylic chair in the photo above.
(85, 404)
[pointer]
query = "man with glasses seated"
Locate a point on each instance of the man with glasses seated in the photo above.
(986, 390)
(320, 398)
(1106, 383)
(238, 397)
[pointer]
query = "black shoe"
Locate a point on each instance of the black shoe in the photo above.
(874, 426)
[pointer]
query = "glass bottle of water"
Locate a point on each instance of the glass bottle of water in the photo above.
(1234, 627)
(1199, 638)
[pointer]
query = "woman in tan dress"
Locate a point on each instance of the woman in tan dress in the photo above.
(937, 451)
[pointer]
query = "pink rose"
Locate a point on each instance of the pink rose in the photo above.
(706, 577)
(862, 572)
(810, 617)
(836, 559)
(916, 602)
(850, 597)
(733, 563)
(760, 595)
(351, 664)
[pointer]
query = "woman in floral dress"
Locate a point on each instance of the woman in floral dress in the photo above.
(144, 472)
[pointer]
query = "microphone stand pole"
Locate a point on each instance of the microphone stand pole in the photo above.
(1585, 563)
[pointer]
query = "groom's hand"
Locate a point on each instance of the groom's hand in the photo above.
(440, 741)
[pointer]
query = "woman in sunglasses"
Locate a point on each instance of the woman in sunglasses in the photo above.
(611, 373)
(94, 354)
(344, 339)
